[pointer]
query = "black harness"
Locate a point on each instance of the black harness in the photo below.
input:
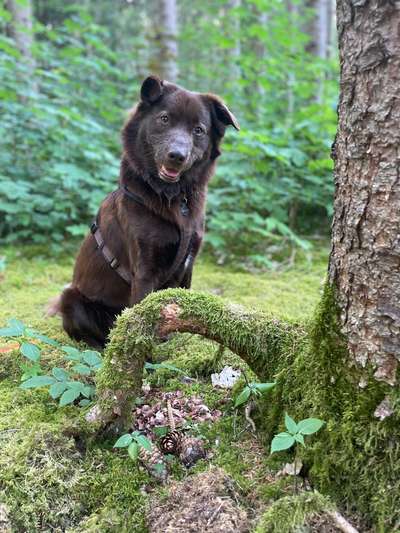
(112, 261)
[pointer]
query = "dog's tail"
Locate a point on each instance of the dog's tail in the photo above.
(54, 305)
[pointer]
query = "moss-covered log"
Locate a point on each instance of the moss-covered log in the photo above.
(356, 459)
(261, 341)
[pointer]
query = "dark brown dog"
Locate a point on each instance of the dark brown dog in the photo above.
(153, 225)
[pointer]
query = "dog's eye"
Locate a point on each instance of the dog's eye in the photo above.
(198, 130)
(164, 119)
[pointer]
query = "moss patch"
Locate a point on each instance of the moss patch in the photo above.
(54, 476)
(290, 513)
(356, 458)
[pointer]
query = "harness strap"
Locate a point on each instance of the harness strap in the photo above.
(181, 255)
(138, 199)
(108, 255)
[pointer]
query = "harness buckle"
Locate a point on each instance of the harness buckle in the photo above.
(94, 227)
(114, 263)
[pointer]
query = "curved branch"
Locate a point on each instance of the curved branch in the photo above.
(260, 340)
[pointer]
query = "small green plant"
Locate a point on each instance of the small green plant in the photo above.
(62, 383)
(295, 433)
(252, 390)
(133, 441)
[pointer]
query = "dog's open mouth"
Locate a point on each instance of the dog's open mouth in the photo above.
(169, 174)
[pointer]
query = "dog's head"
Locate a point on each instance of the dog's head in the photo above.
(174, 131)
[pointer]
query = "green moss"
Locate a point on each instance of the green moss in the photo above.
(291, 512)
(53, 475)
(260, 340)
(356, 458)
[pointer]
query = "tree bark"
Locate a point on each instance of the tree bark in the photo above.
(21, 29)
(165, 61)
(365, 259)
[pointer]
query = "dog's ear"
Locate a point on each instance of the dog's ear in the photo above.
(151, 90)
(222, 113)
(221, 118)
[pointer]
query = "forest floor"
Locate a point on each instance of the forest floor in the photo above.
(53, 479)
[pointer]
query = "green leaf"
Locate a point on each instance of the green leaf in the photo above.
(9, 332)
(282, 441)
(133, 450)
(171, 367)
(57, 389)
(299, 438)
(88, 391)
(308, 426)
(30, 351)
(159, 468)
(69, 396)
(290, 424)
(262, 387)
(144, 442)
(32, 333)
(160, 431)
(92, 358)
(76, 386)
(30, 371)
(84, 370)
(76, 358)
(123, 441)
(37, 381)
(84, 403)
(243, 397)
(60, 374)
(73, 353)
(18, 325)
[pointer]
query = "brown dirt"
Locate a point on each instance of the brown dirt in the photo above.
(207, 502)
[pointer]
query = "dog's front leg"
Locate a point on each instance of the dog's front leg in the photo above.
(142, 286)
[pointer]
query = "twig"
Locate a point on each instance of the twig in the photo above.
(212, 517)
(247, 412)
(171, 421)
(342, 523)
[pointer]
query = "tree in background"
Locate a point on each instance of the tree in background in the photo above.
(21, 29)
(164, 62)
(90, 60)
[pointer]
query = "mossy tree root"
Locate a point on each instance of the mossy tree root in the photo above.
(260, 340)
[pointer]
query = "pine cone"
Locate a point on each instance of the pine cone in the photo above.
(171, 443)
(154, 463)
(192, 449)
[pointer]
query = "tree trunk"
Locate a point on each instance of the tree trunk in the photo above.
(165, 61)
(321, 32)
(365, 259)
(234, 30)
(293, 12)
(21, 29)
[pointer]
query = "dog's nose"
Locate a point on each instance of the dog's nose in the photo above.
(177, 156)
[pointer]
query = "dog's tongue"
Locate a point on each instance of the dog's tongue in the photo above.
(170, 172)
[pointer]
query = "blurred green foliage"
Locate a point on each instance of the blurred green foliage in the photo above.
(59, 129)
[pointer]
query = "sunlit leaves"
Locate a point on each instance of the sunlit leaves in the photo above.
(295, 433)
